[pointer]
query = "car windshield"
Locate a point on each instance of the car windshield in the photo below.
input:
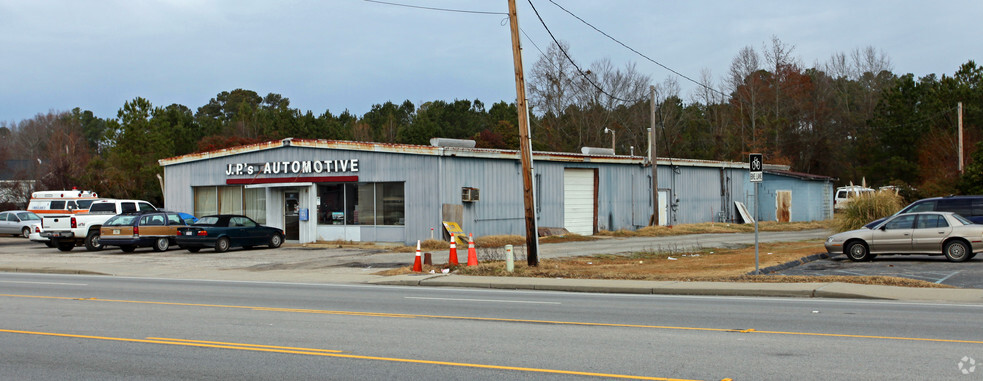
(84, 204)
(121, 220)
(28, 216)
(207, 221)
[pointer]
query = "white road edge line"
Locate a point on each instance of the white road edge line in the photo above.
(482, 300)
(54, 283)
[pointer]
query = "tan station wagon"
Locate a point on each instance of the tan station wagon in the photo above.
(146, 229)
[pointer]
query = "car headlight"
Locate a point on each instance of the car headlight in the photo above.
(830, 239)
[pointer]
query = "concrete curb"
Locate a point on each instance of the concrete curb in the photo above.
(791, 264)
(794, 290)
(49, 271)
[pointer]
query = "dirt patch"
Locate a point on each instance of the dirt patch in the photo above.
(720, 265)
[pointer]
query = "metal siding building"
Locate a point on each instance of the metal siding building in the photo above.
(398, 193)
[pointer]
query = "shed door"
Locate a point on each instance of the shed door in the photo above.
(578, 201)
(783, 205)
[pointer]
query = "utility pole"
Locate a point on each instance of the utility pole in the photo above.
(525, 143)
(654, 221)
(960, 108)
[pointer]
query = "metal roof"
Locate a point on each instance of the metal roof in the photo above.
(485, 153)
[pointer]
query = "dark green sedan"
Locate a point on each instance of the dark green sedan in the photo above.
(223, 231)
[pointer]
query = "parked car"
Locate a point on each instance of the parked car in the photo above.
(933, 233)
(223, 231)
(18, 222)
(141, 229)
(36, 236)
(68, 231)
(970, 207)
(844, 194)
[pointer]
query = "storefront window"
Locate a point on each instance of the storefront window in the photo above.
(206, 201)
(230, 200)
(331, 209)
(366, 205)
(361, 204)
(254, 201)
(390, 203)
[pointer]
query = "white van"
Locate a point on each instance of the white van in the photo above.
(65, 201)
(844, 194)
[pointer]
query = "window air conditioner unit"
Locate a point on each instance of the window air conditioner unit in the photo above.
(469, 194)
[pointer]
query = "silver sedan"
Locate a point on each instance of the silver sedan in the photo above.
(18, 222)
(934, 233)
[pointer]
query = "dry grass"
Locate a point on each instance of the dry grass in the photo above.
(866, 208)
(491, 241)
(717, 227)
(719, 265)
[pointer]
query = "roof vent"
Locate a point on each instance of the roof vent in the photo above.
(597, 151)
(445, 142)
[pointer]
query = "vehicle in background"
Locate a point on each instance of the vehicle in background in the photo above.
(141, 229)
(227, 230)
(933, 233)
(845, 194)
(68, 231)
(61, 202)
(36, 236)
(970, 207)
(18, 222)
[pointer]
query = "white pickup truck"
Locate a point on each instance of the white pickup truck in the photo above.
(69, 230)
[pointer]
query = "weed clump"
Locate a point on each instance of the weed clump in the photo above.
(866, 208)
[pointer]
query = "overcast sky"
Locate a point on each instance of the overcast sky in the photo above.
(350, 54)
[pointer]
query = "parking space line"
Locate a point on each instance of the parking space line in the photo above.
(948, 276)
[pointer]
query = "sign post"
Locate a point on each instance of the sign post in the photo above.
(756, 175)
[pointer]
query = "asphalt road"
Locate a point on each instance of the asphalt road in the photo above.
(60, 327)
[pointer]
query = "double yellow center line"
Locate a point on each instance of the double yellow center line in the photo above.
(327, 353)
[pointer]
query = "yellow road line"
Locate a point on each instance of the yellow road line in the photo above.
(327, 353)
(243, 345)
(474, 318)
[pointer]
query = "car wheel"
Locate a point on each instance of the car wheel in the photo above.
(276, 240)
(956, 251)
(221, 245)
(161, 244)
(25, 232)
(48, 243)
(857, 251)
(193, 249)
(66, 246)
(92, 242)
(128, 248)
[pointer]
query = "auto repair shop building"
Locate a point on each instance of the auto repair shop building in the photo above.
(323, 190)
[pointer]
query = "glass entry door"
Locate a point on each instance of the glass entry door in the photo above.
(291, 214)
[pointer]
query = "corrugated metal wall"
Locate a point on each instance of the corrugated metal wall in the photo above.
(698, 193)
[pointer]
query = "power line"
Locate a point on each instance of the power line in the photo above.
(436, 9)
(635, 51)
(586, 77)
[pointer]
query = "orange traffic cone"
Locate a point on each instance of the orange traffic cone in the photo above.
(452, 261)
(417, 266)
(472, 253)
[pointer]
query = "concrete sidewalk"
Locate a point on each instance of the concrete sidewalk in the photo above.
(797, 290)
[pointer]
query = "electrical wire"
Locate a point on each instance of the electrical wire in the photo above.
(582, 73)
(435, 9)
(635, 51)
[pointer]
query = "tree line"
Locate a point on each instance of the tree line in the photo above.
(850, 118)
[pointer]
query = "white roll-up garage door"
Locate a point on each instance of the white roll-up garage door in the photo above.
(578, 201)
